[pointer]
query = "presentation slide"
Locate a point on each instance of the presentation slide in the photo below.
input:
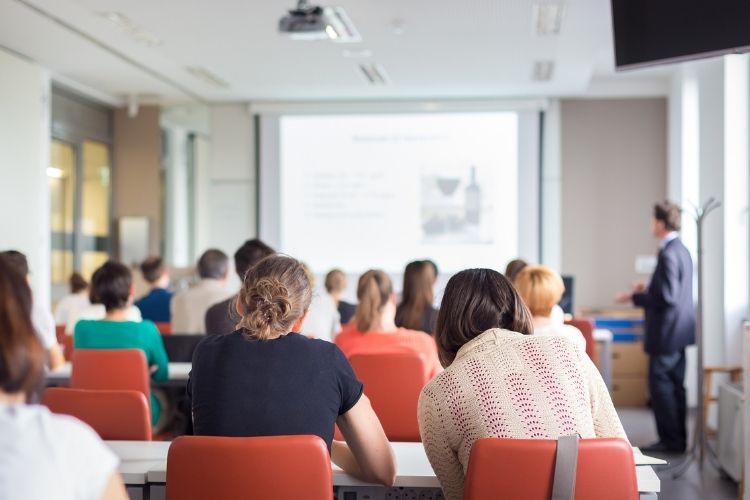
(364, 191)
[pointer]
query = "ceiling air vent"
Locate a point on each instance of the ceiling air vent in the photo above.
(374, 74)
(543, 71)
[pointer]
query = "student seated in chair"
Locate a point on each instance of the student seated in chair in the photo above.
(155, 304)
(113, 286)
(500, 380)
(265, 379)
(541, 289)
(373, 328)
(42, 455)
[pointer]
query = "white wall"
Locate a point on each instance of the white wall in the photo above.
(613, 169)
(228, 199)
(24, 157)
(709, 145)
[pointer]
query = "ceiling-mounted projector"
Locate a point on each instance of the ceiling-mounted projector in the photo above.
(314, 22)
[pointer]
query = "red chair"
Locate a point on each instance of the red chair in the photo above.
(261, 468)
(114, 415)
(110, 369)
(67, 343)
(524, 468)
(393, 382)
(586, 326)
(60, 333)
(164, 327)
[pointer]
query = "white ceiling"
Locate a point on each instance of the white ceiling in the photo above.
(429, 49)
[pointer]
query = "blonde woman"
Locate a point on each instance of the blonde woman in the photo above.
(373, 328)
(541, 289)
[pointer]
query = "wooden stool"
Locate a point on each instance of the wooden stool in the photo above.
(735, 376)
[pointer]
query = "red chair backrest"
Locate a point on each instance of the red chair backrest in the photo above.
(164, 327)
(261, 468)
(114, 415)
(60, 333)
(67, 343)
(524, 468)
(110, 369)
(393, 382)
(586, 326)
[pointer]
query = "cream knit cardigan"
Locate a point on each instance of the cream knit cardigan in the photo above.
(506, 384)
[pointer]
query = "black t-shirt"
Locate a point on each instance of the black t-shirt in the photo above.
(286, 386)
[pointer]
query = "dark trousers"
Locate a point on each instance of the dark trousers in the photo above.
(666, 382)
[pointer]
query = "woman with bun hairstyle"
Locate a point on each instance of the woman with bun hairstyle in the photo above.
(265, 379)
(373, 328)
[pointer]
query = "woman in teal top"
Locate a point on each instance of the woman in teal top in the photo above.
(112, 286)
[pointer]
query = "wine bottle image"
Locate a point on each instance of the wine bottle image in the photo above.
(472, 199)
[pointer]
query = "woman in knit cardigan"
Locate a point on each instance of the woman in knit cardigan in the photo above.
(502, 381)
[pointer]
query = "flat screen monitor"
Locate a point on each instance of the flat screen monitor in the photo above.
(566, 302)
(648, 32)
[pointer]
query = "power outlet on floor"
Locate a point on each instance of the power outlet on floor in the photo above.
(393, 494)
(410, 494)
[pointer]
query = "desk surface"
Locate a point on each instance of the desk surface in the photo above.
(178, 372)
(146, 462)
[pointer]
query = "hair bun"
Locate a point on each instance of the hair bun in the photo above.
(269, 307)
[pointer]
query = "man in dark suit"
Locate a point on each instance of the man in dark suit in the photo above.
(222, 317)
(667, 302)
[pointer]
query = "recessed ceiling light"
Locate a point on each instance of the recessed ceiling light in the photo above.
(357, 53)
(206, 76)
(547, 18)
(129, 28)
(543, 71)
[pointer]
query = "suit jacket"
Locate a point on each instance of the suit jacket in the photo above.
(668, 302)
(222, 317)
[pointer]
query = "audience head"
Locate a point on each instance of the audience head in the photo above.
(310, 275)
(154, 271)
(476, 300)
(17, 260)
(250, 253)
(416, 295)
(667, 218)
(112, 286)
(540, 288)
(513, 268)
(375, 294)
(213, 264)
(77, 283)
(335, 282)
(433, 268)
(21, 353)
(275, 294)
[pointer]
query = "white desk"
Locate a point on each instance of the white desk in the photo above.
(146, 463)
(178, 374)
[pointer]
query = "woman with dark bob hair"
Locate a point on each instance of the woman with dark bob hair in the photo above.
(502, 381)
(42, 455)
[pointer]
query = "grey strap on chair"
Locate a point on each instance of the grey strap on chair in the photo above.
(566, 458)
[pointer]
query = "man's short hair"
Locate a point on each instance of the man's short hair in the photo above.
(17, 261)
(111, 284)
(213, 264)
(250, 253)
(670, 214)
(153, 269)
(335, 281)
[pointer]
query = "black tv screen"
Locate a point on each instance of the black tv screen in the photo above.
(660, 31)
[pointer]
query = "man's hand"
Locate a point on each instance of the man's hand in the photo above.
(639, 287)
(624, 298)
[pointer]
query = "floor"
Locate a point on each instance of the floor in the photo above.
(694, 484)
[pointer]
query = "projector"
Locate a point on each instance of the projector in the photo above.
(313, 22)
